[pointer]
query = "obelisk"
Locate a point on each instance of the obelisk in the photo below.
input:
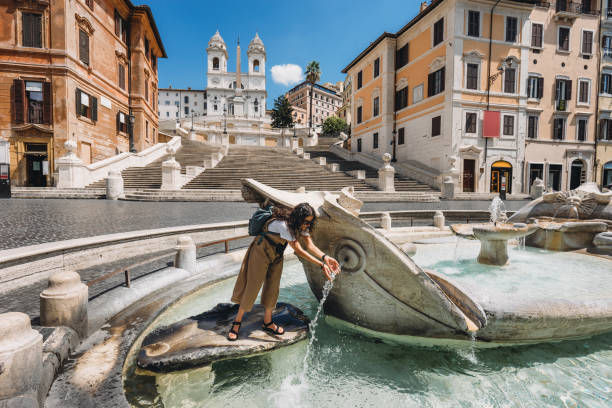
(238, 100)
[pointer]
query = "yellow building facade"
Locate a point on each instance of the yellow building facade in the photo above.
(435, 89)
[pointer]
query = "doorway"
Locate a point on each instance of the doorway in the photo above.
(607, 175)
(536, 170)
(577, 174)
(468, 175)
(554, 177)
(501, 175)
(37, 164)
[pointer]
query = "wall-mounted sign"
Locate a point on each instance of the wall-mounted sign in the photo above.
(104, 101)
(491, 124)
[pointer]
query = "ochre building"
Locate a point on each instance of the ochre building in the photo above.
(83, 70)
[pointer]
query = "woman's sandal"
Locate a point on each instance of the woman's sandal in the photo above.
(267, 327)
(232, 331)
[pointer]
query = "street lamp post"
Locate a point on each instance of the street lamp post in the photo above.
(394, 144)
(224, 120)
(192, 120)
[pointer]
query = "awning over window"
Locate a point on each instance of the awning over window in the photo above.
(491, 124)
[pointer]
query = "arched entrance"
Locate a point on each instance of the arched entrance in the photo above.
(606, 180)
(501, 174)
(577, 174)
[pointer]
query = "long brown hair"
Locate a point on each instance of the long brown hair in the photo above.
(296, 217)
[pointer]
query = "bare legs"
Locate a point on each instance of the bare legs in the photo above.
(267, 319)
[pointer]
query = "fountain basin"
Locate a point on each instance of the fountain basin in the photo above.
(494, 241)
(565, 235)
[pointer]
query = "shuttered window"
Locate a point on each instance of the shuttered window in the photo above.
(359, 79)
(84, 47)
(401, 56)
(436, 125)
(121, 122)
(86, 105)
(376, 67)
(510, 80)
(400, 136)
(536, 35)
(401, 98)
(511, 29)
(474, 23)
(508, 125)
(563, 40)
(375, 141)
(120, 27)
(32, 102)
(583, 91)
(376, 106)
(435, 82)
(606, 84)
(582, 129)
(470, 122)
(535, 87)
(359, 114)
(31, 28)
(121, 71)
(438, 32)
(471, 80)
(532, 127)
(587, 42)
(90, 3)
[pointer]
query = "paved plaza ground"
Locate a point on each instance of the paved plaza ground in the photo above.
(29, 221)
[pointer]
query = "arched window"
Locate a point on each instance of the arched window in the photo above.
(256, 65)
(215, 63)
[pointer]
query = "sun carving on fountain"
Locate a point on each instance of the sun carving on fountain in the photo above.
(574, 204)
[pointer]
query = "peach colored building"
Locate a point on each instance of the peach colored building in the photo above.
(603, 151)
(80, 70)
(455, 97)
(325, 102)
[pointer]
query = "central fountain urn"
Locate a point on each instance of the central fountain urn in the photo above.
(494, 241)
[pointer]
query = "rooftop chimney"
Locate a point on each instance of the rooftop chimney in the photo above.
(423, 6)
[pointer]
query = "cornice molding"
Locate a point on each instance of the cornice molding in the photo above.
(83, 22)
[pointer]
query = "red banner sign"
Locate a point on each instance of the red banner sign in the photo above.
(491, 124)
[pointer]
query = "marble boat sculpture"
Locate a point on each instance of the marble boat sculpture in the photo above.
(382, 289)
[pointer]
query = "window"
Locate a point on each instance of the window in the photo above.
(606, 45)
(470, 122)
(581, 130)
(535, 87)
(83, 47)
(122, 122)
(532, 127)
(508, 125)
(559, 129)
(563, 39)
(359, 79)
(215, 63)
(376, 106)
(605, 129)
(435, 82)
(401, 98)
(167, 103)
(147, 129)
(473, 23)
(90, 3)
(176, 103)
(31, 30)
(606, 84)
(86, 105)
(400, 136)
(186, 99)
(256, 66)
(587, 42)
(186, 110)
(32, 102)
(510, 80)
(359, 112)
(120, 27)
(417, 93)
(584, 91)
(536, 35)
(471, 79)
(167, 114)
(376, 67)
(121, 72)
(511, 29)
(436, 124)
(359, 145)
(146, 89)
(438, 34)
(146, 45)
(401, 56)
(563, 93)
(375, 141)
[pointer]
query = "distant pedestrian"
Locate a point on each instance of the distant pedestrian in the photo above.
(263, 262)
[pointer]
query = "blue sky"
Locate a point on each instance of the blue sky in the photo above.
(332, 32)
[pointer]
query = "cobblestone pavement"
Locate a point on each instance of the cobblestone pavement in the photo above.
(35, 221)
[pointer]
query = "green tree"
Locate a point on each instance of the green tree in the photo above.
(282, 113)
(333, 125)
(313, 74)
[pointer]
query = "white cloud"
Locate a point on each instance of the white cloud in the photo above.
(287, 74)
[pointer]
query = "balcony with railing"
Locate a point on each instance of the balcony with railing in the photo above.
(572, 9)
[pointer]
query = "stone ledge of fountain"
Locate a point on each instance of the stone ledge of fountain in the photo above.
(561, 234)
(603, 242)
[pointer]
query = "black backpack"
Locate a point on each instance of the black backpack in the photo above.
(259, 219)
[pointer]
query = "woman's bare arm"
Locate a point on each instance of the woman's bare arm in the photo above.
(299, 251)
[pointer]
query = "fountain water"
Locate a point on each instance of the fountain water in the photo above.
(313, 323)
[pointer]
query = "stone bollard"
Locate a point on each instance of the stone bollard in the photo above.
(333, 167)
(299, 151)
(64, 302)
(537, 188)
(114, 185)
(386, 175)
(321, 161)
(385, 221)
(306, 156)
(171, 175)
(438, 220)
(186, 254)
(448, 188)
(300, 190)
(20, 361)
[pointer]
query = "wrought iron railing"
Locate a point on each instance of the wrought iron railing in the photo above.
(576, 8)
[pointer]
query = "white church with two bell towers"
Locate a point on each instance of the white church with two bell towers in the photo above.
(237, 94)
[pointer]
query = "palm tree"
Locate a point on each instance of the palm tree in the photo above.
(313, 74)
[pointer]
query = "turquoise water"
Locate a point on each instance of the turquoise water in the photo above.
(351, 370)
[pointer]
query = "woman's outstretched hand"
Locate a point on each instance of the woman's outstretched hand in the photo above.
(327, 271)
(333, 264)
